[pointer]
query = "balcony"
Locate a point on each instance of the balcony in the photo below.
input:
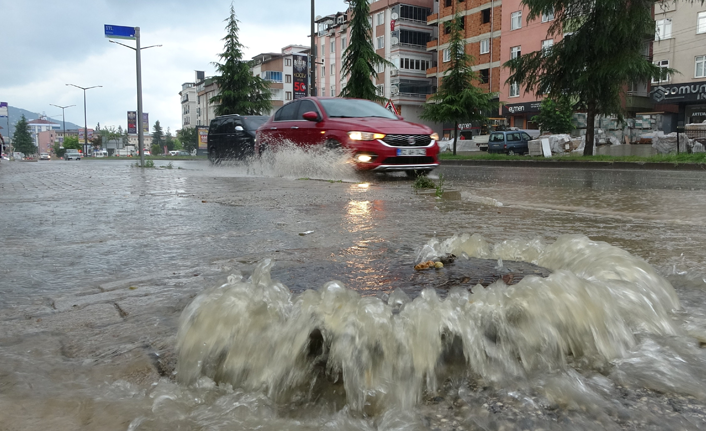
(431, 19)
(431, 71)
(432, 44)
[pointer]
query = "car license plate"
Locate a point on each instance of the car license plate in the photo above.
(411, 152)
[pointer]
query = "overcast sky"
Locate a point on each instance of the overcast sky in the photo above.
(46, 44)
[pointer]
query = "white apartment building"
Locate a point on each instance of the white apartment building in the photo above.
(680, 44)
(39, 125)
(286, 72)
(400, 35)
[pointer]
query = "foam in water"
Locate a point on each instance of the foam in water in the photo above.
(592, 311)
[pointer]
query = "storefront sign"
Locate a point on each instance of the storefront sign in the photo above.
(676, 93)
(521, 108)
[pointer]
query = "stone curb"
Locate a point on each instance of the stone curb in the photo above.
(578, 165)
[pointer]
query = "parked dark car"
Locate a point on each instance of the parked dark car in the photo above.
(378, 139)
(510, 142)
(232, 137)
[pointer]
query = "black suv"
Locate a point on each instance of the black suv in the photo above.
(232, 137)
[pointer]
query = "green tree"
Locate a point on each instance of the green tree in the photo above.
(71, 142)
(189, 138)
(594, 64)
(157, 137)
(555, 115)
(22, 138)
(59, 150)
(458, 100)
(239, 92)
(156, 149)
(359, 57)
(169, 140)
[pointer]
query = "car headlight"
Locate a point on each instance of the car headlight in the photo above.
(365, 136)
(434, 136)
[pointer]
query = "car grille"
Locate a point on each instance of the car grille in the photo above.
(408, 160)
(404, 140)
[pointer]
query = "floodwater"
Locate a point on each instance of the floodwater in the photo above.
(282, 295)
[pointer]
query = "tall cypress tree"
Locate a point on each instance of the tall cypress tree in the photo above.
(239, 91)
(22, 139)
(457, 98)
(359, 57)
(157, 135)
(594, 63)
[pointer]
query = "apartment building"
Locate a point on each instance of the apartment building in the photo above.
(400, 35)
(481, 23)
(520, 35)
(39, 125)
(205, 110)
(189, 100)
(287, 73)
(680, 44)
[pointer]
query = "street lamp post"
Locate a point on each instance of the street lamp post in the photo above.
(63, 119)
(85, 122)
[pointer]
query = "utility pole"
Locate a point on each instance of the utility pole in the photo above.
(312, 65)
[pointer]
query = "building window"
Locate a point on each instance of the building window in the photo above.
(410, 37)
(485, 46)
(701, 23)
(549, 16)
(448, 3)
(516, 20)
(663, 29)
(547, 45)
(515, 89)
(447, 55)
(323, 71)
(332, 68)
(664, 77)
(287, 61)
(343, 43)
(515, 52)
(288, 79)
(272, 76)
(700, 71)
(485, 16)
(380, 18)
(333, 90)
(333, 46)
(484, 76)
(381, 42)
(323, 50)
(288, 95)
(380, 90)
(414, 13)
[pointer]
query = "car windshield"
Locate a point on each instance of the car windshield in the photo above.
(354, 108)
(252, 123)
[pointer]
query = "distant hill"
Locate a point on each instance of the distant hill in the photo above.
(16, 114)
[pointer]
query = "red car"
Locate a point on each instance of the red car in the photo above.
(377, 139)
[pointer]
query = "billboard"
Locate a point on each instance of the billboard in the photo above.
(203, 138)
(301, 75)
(81, 138)
(132, 123)
(3, 110)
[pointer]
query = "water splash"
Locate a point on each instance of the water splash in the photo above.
(256, 335)
(291, 161)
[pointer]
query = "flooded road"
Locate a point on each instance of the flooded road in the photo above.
(282, 295)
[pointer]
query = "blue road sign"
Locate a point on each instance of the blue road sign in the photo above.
(119, 32)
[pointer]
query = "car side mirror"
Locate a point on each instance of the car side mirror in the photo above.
(239, 128)
(311, 116)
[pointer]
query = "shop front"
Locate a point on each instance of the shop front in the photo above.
(520, 114)
(688, 101)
